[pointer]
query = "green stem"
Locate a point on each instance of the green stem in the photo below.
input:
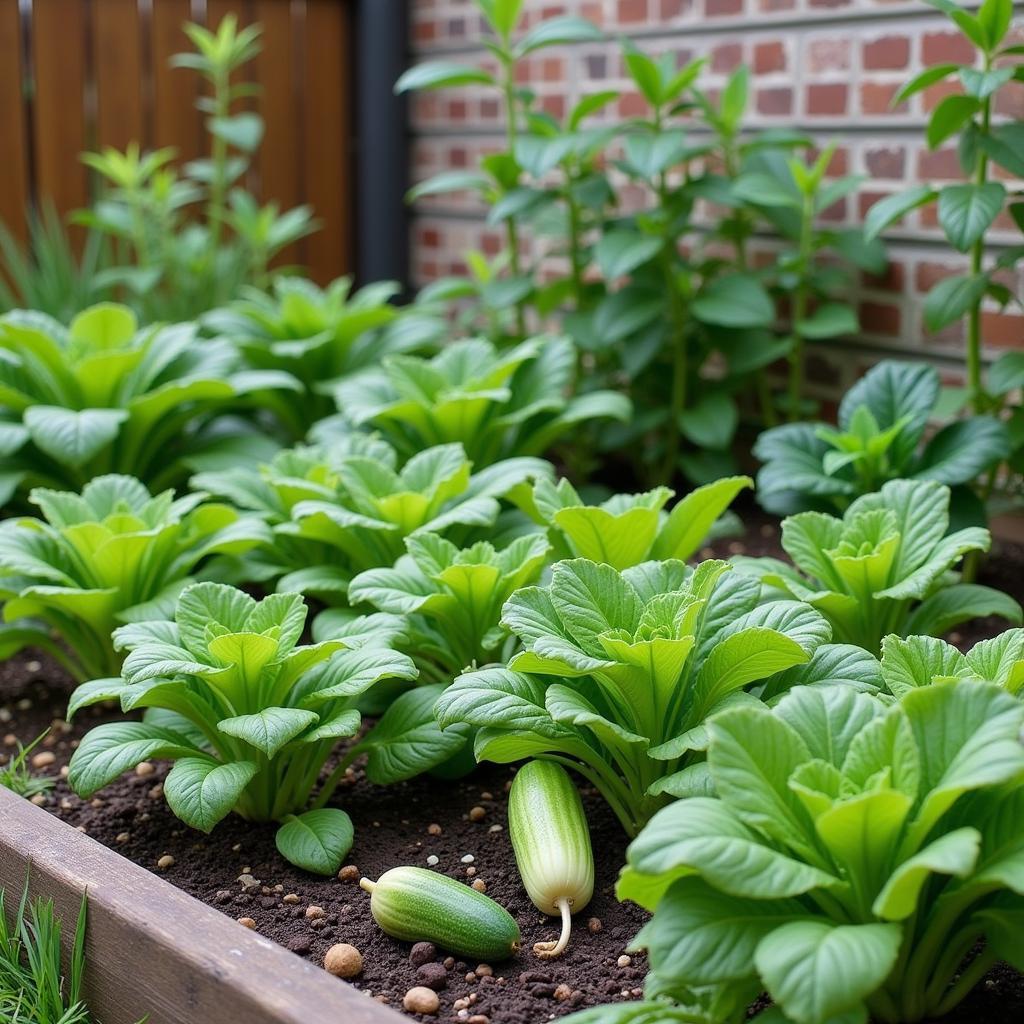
(219, 160)
(801, 300)
(575, 247)
(974, 383)
(977, 970)
(511, 136)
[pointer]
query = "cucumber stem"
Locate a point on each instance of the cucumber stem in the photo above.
(366, 885)
(549, 950)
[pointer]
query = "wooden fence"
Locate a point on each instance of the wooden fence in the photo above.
(76, 75)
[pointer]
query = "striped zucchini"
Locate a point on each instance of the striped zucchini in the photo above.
(418, 905)
(551, 841)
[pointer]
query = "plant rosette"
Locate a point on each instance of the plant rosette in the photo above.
(110, 555)
(248, 716)
(848, 857)
(885, 567)
(621, 671)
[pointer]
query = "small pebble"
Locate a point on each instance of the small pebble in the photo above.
(562, 992)
(460, 1004)
(468, 858)
(421, 1000)
(470, 977)
(122, 837)
(434, 829)
(624, 961)
(314, 913)
(479, 1018)
(349, 873)
(594, 925)
(484, 970)
(422, 953)
(291, 899)
(449, 962)
(470, 871)
(247, 922)
(477, 814)
(165, 862)
(433, 860)
(496, 828)
(479, 884)
(300, 944)
(144, 769)
(39, 800)
(43, 759)
(432, 975)
(343, 961)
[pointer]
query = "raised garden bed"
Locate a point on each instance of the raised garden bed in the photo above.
(394, 825)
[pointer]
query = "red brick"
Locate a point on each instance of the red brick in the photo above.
(716, 8)
(876, 98)
(775, 102)
(769, 57)
(880, 318)
(827, 98)
(1010, 101)
(828, 54)
(1002, 330)
(777, 5)
(888, 162)
(632, 104)
(726, 57)
(942, 164)
(946, 48)
(891, 52)
(675, 8)
(632, 11)
(928, 275)
(894, 279)
(935, 94)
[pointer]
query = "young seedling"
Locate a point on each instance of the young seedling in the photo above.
(16, 774)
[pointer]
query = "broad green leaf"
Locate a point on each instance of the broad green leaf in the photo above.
(949, 117)
(952, 298)
(967, 211)
(202, 791)
(621, 251)
(959, 603)
(72, 437)
(559, 31)
(918, 661)
(316, 841)
(830, 320)
(441, 75)
(711, 421)
(269, 730)
(892, 208)
(690, 520)
(734, 300)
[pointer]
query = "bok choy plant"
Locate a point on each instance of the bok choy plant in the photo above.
(102, 396)
(110, 555)
(319, 335)
(248, 715)
(881, 427)
(885, 567)
(621, 671)
(848, 859)
(452, 598)
(629, 529)
(495, 404)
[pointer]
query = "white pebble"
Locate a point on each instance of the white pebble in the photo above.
(468, 859)
(433, 860)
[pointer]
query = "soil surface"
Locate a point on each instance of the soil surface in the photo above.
(238, 871)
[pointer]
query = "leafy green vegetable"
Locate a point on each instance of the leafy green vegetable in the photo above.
(319, 335)
(848, 856)
(102, 396)
(640, 660)
(628, 529)
(248, 716)
(112, 554)
(495, 404)
(882, 422)
(885, 567)
(451, 598)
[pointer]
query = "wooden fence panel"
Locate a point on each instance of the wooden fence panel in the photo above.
(100, 76)
(14, 167)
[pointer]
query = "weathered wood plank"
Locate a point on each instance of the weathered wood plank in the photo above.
(117, 47)
(14, 193)
(153, 949)
(176, 122)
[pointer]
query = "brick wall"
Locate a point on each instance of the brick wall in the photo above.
(829, 67)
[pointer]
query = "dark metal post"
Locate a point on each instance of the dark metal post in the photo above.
(382, 158)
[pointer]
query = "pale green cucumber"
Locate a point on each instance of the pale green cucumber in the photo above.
(418, 905)
(551, 841)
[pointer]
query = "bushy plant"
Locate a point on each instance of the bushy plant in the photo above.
(103, 396)
(248, 715)
(176, 263)
(848, 858)
(110, 555)
(495, 404)
(451, 598)
(885, 567)
(319, 335)
(628, 529)
(621, 671)
(880, 436)
(967, 210)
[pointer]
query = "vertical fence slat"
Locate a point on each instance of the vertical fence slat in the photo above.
(176, 122)
(327, 142)
(14, 181)
(280, 154)
(117, 37)
(59, 129)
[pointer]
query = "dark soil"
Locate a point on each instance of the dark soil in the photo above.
(399, 825)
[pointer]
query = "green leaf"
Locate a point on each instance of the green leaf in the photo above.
(929, 76)
(202, 791)
(316, 841)
(711, 421)
(619, 252)
(690, 520)
(890, 209)
(967, 211)
(994, 17)
(948, 117)
(1005, 145)
(962, 450)
(829, 321)
(243, 131)
(817, 971)
(442, 75)
(952, 298)
(734, 300)
(559, 31)
(408, 739)
(73, 437)
(446, 182)
(269, 730)
(962, 602)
